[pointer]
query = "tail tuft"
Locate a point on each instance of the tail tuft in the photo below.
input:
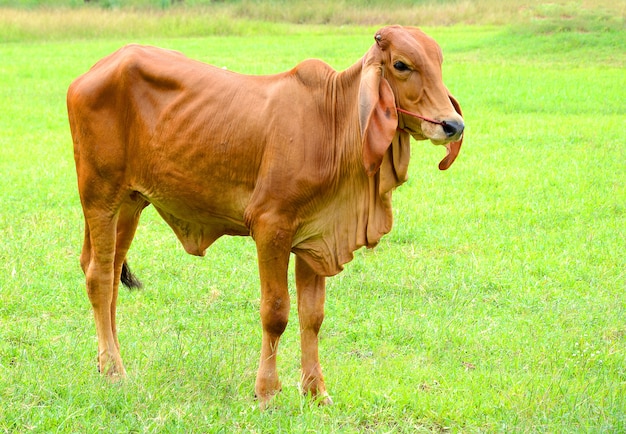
(128, 279)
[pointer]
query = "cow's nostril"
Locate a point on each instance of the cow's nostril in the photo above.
(453, 128)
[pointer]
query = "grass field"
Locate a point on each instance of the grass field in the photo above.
(497, 303)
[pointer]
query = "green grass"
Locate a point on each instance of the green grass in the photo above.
(497, 303)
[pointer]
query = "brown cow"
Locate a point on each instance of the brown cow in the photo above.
(304, 162)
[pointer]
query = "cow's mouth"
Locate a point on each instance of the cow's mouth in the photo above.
(415, 134)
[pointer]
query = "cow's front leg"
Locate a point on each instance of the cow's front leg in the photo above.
(273, 249)
(311, 290)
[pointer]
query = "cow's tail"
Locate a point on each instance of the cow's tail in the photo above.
(128, 279)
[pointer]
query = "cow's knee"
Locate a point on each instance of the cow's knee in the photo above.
(311, 318)
(275, 314)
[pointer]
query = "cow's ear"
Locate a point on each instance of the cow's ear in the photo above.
(453, 147)
(378, 118)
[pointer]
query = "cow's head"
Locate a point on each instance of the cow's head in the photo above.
(403, 70)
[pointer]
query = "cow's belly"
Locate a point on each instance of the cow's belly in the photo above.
(200, 219)
(197, 235)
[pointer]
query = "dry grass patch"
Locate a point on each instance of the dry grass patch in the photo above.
(60, 20)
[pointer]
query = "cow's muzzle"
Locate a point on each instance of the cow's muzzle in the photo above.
(453, 129)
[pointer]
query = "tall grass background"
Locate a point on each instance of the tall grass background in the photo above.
(497, 303)
(60, 19)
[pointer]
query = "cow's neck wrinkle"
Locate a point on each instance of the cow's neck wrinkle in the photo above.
(345, 102)
(346, 96)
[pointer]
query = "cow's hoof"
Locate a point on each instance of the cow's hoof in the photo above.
(323, 399)
(112, 372)
(265, 399)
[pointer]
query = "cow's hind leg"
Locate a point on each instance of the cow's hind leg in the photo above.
(99, 266)
(108, 238)
(311, 290)
(273, 250)
(127, 222)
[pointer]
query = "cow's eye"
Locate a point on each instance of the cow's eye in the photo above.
(401, 66)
